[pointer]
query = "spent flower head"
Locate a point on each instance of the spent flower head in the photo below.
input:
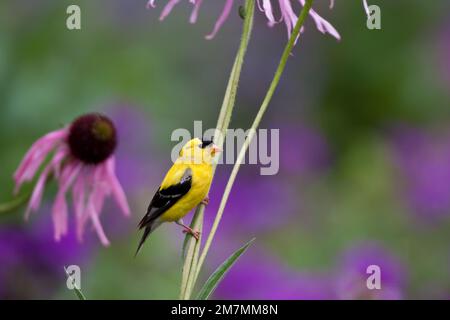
(82, 160)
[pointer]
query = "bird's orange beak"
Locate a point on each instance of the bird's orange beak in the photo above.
(216, 149)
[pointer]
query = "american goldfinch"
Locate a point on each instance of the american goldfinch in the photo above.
(185, 185)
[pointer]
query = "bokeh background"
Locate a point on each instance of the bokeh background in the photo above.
(365, 147)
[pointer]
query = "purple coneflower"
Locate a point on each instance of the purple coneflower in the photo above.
(32, 263)
(83, 159)
(287, 15)
(423, 160)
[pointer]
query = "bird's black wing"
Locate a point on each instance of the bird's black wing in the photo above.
(162, 201)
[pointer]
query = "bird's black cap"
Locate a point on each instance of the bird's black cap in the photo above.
(206, 143)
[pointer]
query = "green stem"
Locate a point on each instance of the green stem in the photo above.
(252, 131)
(15, 203)
(193, 246)
(190, 254)
(77, 290)
(190, 280)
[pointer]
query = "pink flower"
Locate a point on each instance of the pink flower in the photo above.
(83, 161)
(287, 15)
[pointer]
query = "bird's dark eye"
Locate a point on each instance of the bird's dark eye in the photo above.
(205, 143)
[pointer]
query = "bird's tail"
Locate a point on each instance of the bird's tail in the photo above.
(149, 228)
(143, 238)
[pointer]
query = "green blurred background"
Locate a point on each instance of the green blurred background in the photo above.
(365, 150)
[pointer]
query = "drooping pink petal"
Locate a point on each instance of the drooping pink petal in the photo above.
(194, 14)
(38, 190)
(59, 211)
(321, 24)
(258, 2)
(288, 15)
(79, 200)
(59, 214)
(223, 17)
(151, 4)
(331, 4)
(99, 182)
(38, 151)
(95, 182)
(116, 188)
(168, 8)
(95, 204)
(99, 199)
(103, 187)
(97, 225)
(267, 9)
(36, 155)
(44, 142)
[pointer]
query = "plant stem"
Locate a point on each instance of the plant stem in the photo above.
(195, 255)
(191, 259)
(252, 131)
(190, 254)
(189, 242)
(77, 290)
(15, 203)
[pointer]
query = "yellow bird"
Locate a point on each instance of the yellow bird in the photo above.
(185, 185)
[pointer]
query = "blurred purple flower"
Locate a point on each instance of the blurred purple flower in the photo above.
(136, 153)
(83, 160)
(424, 161)
(303, 150)
(32, 264)
(266, 6)
(254, 205)
(265, 278)
(351, 277)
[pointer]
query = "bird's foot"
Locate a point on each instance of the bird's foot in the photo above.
(194, 233)
(205, 201)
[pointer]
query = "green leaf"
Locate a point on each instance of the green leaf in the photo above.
(217, 276)
(77, 290)
(242, 12)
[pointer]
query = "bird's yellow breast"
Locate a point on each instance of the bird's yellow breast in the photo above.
(201, 180)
